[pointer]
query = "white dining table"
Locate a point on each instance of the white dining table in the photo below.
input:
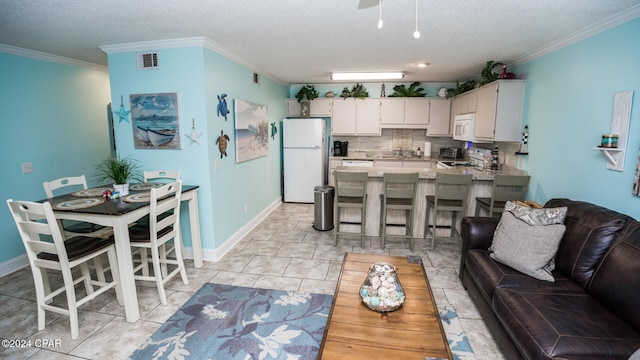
(119, 214)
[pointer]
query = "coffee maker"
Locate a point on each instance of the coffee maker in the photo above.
(340, 148)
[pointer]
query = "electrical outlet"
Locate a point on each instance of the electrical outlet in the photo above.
(246, 208)
(217, 165)
(27, 168)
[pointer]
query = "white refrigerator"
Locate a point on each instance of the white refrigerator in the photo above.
(304, 155)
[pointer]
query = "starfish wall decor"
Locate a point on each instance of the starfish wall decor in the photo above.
(122, 114)
(194, 136)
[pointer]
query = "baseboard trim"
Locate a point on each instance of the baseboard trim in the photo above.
(214, 255)
(217, 253)
(14, 264)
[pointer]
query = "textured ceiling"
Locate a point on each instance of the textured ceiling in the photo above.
(304, 41)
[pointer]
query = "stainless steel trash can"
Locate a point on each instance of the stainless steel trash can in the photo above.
(323, 196)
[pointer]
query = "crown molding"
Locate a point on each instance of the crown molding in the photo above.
(199, 41)
(49, 57)
(598, 27)
(153, 45)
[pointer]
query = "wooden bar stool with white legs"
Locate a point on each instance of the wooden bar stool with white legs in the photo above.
(451, 195)
(399, 192)
(505, 188)
(36, 223)
(351, 193)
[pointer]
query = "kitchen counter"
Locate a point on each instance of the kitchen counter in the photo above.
(430, 173)
(481, 186)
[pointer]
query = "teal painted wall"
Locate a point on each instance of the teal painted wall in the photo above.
(53, 115)
(569, 103)
(255, 183)
(198, 75)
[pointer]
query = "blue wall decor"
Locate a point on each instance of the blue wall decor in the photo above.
(223, 110)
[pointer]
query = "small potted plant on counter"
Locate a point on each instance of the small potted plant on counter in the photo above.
(121, 171)
(304, 96)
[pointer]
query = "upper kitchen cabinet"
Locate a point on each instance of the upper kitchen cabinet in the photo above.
(391, 112)
(464, 103)
(416, 113)
(499, 110)
(404, 113)
(355, 117)
(320, 107)
(439, 117)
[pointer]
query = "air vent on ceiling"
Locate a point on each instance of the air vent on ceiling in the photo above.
(146, 61)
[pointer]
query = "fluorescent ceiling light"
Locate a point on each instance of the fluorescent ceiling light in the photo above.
(367, 75)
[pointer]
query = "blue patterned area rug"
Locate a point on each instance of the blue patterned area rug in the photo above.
(458, 341)
(233, 322)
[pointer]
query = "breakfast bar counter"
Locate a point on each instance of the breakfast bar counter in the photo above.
(482, 185)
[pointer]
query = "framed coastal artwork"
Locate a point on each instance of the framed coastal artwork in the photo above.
(155, 120)
(251, 130)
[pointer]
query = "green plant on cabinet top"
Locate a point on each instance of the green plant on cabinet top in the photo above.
(307, 92)
(487, 73)
(357, 91)
(412, 91)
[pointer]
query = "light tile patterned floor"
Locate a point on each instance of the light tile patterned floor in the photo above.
(283, 252)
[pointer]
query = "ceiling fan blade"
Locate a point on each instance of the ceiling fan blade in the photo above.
(363, 4)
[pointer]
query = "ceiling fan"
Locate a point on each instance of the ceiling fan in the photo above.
(363, 4)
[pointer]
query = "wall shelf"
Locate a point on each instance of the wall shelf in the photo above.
(612, 155)
(620, 126)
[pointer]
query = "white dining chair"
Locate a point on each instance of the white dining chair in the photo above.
(36, 223)
(150, 175)
(164, 226)
(74, 228)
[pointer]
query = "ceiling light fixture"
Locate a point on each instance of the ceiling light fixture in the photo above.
(391, 75)
(380, 18)
(416, 34)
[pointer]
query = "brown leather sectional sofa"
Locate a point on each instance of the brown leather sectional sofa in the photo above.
(591, 311)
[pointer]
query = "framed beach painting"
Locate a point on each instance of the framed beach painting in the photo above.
(251, 130)
(155, 120)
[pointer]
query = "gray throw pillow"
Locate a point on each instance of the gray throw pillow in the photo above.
(527, 239)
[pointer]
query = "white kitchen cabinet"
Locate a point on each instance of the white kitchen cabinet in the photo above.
(355, 117)
(439, 117)
(499, 110)
(320, 107)
(416, 112)
(404, 113)
(391, 112)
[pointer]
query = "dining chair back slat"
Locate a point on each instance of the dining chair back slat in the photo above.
(48, 250)
(162, 227)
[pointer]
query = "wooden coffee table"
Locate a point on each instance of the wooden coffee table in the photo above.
(353, 331)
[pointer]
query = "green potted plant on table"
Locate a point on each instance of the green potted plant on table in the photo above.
(304, 96)
(120, 170)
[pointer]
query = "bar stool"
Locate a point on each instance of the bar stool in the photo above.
(505, 188)
(399, 191)
(451, 195)
(351, 192)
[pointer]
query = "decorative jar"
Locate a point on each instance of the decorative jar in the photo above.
(381, 290)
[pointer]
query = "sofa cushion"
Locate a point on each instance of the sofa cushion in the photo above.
(590, 229)
(489, 275)
(616, 281)
(566, 326)
(527, 239)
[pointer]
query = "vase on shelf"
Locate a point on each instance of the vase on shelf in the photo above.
(305, 108)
